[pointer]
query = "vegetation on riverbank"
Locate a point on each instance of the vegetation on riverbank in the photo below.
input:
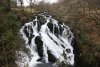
(9, 38)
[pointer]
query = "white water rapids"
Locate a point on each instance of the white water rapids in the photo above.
(48, 41)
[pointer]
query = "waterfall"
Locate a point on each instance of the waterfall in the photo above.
(48, 41)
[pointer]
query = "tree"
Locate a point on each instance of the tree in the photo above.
(8, 5)
(13, 3)
(30, 1)
(5, 4)
(21, 3)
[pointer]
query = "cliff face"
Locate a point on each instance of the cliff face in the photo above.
(48, 41)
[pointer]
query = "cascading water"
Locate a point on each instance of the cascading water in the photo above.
(48, 41)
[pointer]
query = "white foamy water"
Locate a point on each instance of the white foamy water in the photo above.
(48, 41)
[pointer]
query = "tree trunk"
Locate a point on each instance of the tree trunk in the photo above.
(8, 5)
(5, 4)
(1, 3)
